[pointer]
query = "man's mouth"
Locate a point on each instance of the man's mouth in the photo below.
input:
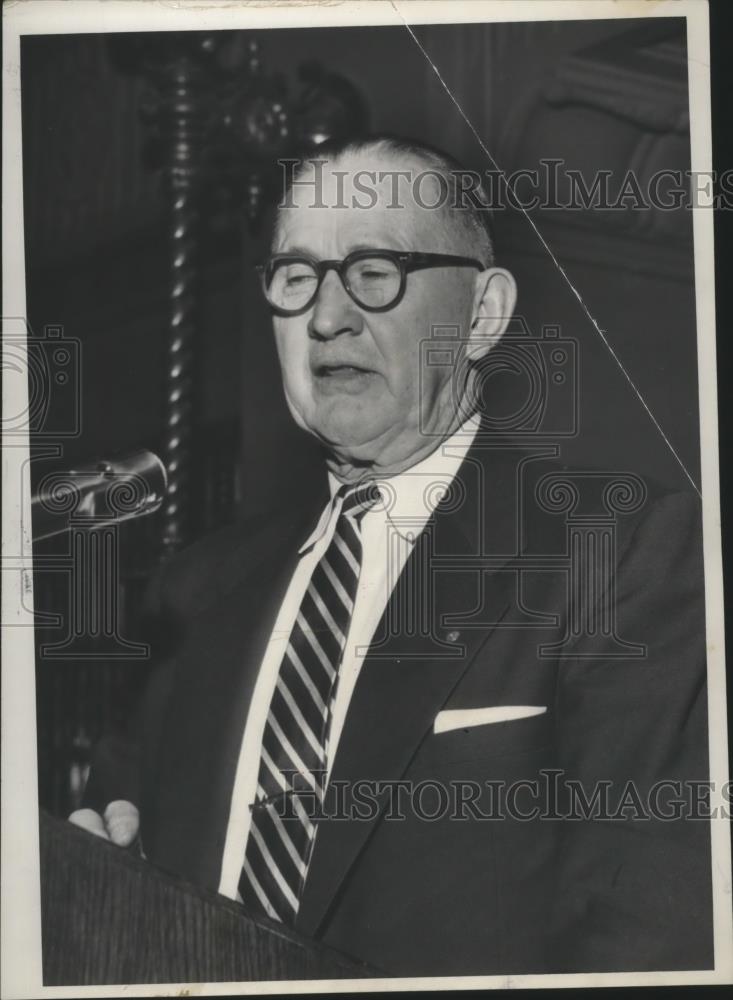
(340, 370)
(342, 378)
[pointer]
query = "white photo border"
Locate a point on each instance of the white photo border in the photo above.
(20, 914)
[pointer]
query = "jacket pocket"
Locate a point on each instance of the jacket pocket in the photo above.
(495, 739)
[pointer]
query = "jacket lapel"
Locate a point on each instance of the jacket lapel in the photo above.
(407, 678)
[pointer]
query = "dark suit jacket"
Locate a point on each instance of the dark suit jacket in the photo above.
(461, 894)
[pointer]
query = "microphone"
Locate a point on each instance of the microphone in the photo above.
(99, 492)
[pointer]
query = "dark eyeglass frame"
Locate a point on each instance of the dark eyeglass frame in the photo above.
(406, 261)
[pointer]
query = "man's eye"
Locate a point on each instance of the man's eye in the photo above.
(372, 274)
(298, 277)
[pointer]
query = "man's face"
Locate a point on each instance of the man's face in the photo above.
(358, 379)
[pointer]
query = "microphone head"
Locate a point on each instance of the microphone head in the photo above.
(99, 492)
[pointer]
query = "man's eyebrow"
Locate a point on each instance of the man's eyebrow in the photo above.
(301, 251)
(296, 251)
(379, 244)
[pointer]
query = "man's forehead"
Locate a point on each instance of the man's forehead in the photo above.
(386, 179)
(365, 193)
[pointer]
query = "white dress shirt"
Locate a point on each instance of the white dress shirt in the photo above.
(388, 534)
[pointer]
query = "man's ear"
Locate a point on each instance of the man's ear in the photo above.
(495, 295)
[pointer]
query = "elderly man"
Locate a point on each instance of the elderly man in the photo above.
(369, 720)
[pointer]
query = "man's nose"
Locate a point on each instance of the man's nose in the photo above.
(334, 312)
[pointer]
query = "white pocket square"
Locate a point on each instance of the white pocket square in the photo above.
(464, 718)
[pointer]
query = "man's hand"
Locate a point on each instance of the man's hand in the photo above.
(119, 824)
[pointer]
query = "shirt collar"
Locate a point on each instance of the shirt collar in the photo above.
(410, 497)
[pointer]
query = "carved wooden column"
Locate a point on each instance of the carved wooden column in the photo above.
(217, 124)
(177, 73)
(183, 140)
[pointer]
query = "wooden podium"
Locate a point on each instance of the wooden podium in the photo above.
(108, 917)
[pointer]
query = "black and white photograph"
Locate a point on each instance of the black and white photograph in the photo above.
(362, 576)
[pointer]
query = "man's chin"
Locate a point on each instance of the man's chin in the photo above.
(352, 436)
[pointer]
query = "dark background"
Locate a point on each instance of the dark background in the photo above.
(600, 95)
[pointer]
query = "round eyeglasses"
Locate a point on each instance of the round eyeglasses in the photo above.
(375, 279)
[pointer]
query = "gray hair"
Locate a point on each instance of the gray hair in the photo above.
(465, 209)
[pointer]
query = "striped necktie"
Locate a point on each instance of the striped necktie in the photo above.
(295, 742)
